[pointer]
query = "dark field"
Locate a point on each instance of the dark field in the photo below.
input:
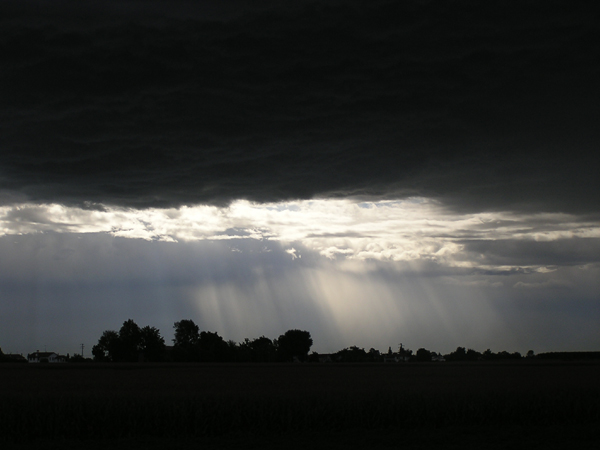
(548, 405)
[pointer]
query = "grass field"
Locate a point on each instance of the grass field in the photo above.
(267, 406)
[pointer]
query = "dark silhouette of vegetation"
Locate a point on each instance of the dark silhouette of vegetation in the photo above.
(404, 354)
(423, 355)
(461, 354)
(185, 343)
(77, 358)
(107, 348)
(152, 344)
(569, 356)
(130, 338)
(488, 355)
(10, 358)
(191, 345)
(355, 354)
(261, 349)
(213, 348)
(352, 355)
(374, 355)
(130, 344)
(134, 344)
(294, 344)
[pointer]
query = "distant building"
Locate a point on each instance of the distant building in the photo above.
(45, 357)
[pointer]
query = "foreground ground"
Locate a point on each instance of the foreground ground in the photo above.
(548, 405)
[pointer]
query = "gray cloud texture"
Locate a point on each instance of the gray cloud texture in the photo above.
(483, 107)
(61, 290)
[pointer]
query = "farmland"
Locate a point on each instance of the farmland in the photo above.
(216, 405)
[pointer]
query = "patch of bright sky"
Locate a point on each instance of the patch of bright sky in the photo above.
(414, 229)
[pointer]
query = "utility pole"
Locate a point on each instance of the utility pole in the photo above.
(82, 349)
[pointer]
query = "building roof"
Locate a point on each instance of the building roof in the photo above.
(39, 354)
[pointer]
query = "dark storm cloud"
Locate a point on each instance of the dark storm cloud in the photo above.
(168, 103)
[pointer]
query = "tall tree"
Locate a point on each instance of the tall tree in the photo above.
(352, 354)
(423, 355)
(212, 347)
(152, 344)
(185, 343)
(187, 333)
(107, 347)
(262, 349)
(294, 344)
(130, 337)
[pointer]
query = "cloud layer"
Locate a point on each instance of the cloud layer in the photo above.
(149, 104)
(415, 232)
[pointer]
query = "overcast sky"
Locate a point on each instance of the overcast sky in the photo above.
(374, 172)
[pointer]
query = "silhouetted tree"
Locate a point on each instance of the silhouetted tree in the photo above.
(185, 343)
(374, 355)
(130, 339)
(423, 355)
(352, 354)
(261, 349)
(460, 354)
(313, 358)
(473, 355)
(243, 352)
(404, 352)
(107, 347)
(212, 347)
(294, 344)
(232, 351)
(503, 355)
(570, 356)
(152, 344)
(130, 344)
(187, 333)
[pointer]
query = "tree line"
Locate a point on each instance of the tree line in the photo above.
(132, 344)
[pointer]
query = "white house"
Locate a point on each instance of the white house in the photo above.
(45, 357)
